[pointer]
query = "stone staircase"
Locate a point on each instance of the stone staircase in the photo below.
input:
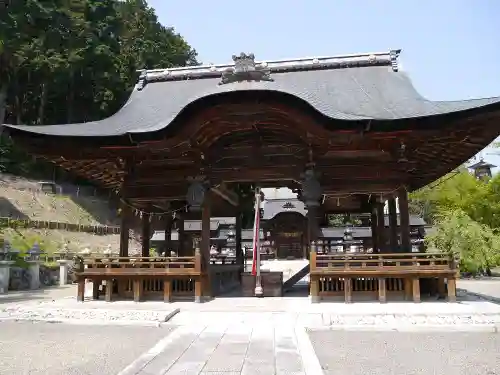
(295, 272)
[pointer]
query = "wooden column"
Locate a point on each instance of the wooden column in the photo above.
(126, 214)
(312, 224)
(205, 244)
(404, 219)
(381, 227)
(314, 280)
(168, 235)
(180, 236)
(146, 233)
(373, 223)
(393, 226)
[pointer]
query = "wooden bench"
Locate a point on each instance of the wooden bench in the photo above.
(398, 273)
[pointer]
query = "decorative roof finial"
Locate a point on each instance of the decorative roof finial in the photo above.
(394, 54)
(143, 79)
(245, 69)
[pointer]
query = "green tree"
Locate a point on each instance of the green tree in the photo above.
(76, 60)
(457, 190)
(476, 244)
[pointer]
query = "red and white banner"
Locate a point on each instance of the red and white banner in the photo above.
(256, 232)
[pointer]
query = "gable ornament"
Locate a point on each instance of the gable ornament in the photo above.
(245, 69)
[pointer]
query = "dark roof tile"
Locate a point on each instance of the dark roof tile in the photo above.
(346, 93)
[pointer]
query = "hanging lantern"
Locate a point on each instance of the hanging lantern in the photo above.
(196, 195)
(311, 189)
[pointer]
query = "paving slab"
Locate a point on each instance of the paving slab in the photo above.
(232, 349)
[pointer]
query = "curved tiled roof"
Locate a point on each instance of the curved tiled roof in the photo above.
(356, 87)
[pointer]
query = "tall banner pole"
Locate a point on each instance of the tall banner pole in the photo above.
(255, 237)
(258, 282)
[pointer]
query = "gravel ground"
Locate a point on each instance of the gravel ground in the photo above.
(61, 349)
(387, 353)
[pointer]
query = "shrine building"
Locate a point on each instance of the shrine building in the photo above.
(345, 133)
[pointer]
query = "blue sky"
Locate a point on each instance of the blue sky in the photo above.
(451, 48)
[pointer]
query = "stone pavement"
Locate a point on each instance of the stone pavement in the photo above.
(37, 348)
(230, 349)
(269, 336)
(488, 289)
(399, 353)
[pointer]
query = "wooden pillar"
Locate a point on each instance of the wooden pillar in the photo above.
(404, 219)
(382, 295)
(348, 289)
(146, 233)
(239, 249)
(393, 226)
(314, 280)
(168, 235)
(416, 289)
(381, 227)
(181, 237)
(312, 224)
(373, 223)
(205, 244)
(124, 229)
(452, 289)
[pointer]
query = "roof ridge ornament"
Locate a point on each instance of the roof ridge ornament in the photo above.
(245, 69)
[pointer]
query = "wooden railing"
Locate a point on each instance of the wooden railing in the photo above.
(141, 276)
(382, 274)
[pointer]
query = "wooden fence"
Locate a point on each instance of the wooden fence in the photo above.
(7, 222)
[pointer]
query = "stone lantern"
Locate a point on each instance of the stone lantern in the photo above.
(5, 263)
(347, 239)
(33, 260)
(64, 264)
(34, 253)
(5, 254)
(231, 241)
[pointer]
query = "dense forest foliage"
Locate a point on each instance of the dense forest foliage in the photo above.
(68, 61)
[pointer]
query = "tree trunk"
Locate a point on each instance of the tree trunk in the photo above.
(17, 110)
(43, 103)
(70, 99)
(3, 102)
